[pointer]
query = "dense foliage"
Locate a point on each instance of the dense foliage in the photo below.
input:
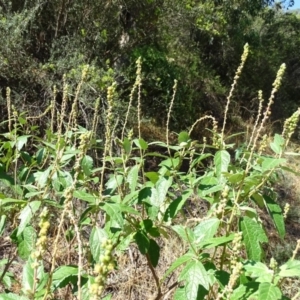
(195, 42)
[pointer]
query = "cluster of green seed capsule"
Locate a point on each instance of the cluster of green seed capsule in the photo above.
(101, 269)
(42, 239)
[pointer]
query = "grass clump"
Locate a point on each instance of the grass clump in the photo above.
(118, 229)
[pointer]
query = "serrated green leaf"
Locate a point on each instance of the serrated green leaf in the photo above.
(113, 210)
(222, 161)
(206, 190)
(152, 176)
(183, 137)
(21, 141)
(194, 274)
(82, 195)
(234, 178)
(26, 214)
(114, 182)
(258, 270)
(27, 243)
(206, 230)
(180, 294)
(178, 262)
(40, 155)
(277, 216)
(141, 144)
(268, 291)
(64, 275)
(142, 241)
(290, 269)
(216, 241)
(176, 205)
(245, 291)
(132, 177)
(159, 192)
(87, 165)
(253, 236)
(259, 199)
(184, 232)
(154, 252)
(162, 187)
(271, 163)
(28, 275)
(127, 146)
(96, 238)
(42, 177)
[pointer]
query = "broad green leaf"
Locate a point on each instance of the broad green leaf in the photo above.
(97, 236)
(144, 194)
(6, 280)
(206, 230)
(27, 243)
(162, 187)
(234, 178)
(259, 199)
(198, 160)
(142, 241)
(113, 210)
(4, 177)
(42, 177)
(271, 163)
(184, 232)
(277, 144)
(152, 176)
(41, 155)
(26, 215)
(253, 236)
(114, 182)
(183, 137)
(87, 165)
(258, 270)
(64, 275)
(194, 274)
(127, 146)
(276, 213)
(216, 241)
(158, 194)
(221, 160)
(21, 141)
(169, 164)
(154, 252)
(245, 291)
(268, 291)
(290, 269)
(132, 177)
(176, 206)
(180, 294)
(178, 262)
(206, 190)
(28, 276)
(209, 180)
(82, 195)
(141, 144)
